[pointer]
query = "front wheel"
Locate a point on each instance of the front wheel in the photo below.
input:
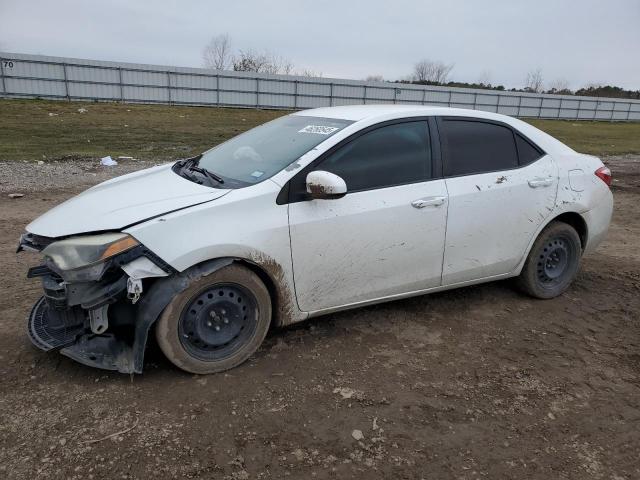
(218, 322)
(552, 263)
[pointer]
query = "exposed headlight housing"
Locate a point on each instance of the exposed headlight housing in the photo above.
(83, 258)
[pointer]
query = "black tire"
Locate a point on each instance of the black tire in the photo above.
(217, 323)
(552, 263)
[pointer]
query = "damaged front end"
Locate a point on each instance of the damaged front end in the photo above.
(90, 309)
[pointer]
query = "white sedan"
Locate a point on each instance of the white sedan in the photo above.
(318, 211)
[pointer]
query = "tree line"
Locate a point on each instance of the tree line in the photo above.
(219, 54)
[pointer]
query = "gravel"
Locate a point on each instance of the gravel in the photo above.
(24, 177)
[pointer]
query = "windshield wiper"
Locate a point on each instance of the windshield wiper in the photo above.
(204, 171)
(191, 164)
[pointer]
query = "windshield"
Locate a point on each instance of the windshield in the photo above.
(263, 151)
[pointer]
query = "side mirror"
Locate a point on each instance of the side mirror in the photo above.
(325, 185)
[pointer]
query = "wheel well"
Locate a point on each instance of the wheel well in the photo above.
(269, 283)
(577, 222)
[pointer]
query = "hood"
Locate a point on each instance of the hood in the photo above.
(123, 201)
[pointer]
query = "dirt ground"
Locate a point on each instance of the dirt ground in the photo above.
(480, 382)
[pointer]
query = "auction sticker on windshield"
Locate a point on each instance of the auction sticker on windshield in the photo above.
(319, 129)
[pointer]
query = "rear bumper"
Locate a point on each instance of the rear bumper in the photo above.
(598, 220)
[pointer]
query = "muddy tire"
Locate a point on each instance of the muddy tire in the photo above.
(217, 323)
(552, 263)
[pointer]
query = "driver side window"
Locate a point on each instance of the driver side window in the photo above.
(395, 154)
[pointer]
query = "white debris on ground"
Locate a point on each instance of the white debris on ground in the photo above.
(82, 110)
(108, 161)
(125, 158)
(357, 434)
(346, 392)
(16, 195)
(51, 114)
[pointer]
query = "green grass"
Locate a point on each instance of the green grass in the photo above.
(596, 138)
(161, 132)
(148, 132)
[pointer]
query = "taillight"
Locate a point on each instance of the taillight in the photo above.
(604, 174)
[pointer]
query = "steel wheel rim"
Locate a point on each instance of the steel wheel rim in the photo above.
(554, 260)
(218, 321)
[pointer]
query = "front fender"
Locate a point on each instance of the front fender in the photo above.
(158, 297)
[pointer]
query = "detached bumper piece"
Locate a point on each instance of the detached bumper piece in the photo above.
(104, 351)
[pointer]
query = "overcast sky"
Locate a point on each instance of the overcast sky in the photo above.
(582, 41)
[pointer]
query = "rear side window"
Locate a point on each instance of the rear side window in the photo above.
(476, 147)
(395, 154)
(527, 152)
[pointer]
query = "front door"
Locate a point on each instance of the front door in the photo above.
(386, 236)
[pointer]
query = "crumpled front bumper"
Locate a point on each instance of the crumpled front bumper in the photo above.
(62, 320)
(96, 322)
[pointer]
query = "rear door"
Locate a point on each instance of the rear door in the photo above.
(386, 236)
(501, 189)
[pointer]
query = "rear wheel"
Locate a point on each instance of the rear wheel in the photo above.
(552, 263)
(217, 322)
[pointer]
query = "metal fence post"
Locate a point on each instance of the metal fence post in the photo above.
(613, 108)
(120, 84)
(578, 109)
(217, 77)
(331, 94)
(540, 107)
(449, 101)
(559, 108)
(364, 96)
(66, 82)
(4, 87)
(257, 92)
(629, 110)
(475, 100)
(169, 86)
(295, 94)
(424, 95)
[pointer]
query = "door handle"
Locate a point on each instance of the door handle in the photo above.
(540, 182)
(428, 202)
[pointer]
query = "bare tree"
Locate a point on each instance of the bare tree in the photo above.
(252, 61)
(249, 61)
(276, 64)
(307, 72)
(485, 78)
(217, 53)
(374, 78)
(428, 71)
(560, 86)
(534, 82)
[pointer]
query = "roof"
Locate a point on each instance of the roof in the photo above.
(369, 114)
(362, 112)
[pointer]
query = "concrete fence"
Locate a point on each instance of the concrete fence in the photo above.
(37, 76)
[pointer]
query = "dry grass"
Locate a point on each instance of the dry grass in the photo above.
(29, 131)
(596, 138)
(52, 130)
